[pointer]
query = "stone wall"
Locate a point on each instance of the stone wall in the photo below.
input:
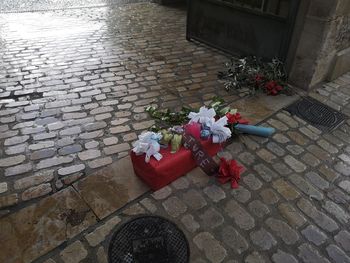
(320, 46)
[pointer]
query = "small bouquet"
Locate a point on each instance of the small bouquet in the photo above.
(207, 128)
(216, 123)
(252, 74)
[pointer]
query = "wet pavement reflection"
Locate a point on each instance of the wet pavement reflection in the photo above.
(35, 5)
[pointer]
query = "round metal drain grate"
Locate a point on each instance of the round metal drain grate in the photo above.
(149, 239)
(317, 114)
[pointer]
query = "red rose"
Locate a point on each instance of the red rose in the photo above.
(231, 118)
(273, 92)
(273, 88)
(235, 118)
(258, 79)
(270, 85)
(279, 88)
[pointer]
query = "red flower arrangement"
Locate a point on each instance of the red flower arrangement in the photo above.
(235, 119)
(272, 88)
(255, 74)
(229, 171)
(177, 123)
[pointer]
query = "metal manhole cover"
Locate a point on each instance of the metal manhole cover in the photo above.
(149, 239)
(317, 114)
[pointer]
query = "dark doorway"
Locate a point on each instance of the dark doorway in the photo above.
(248, 27)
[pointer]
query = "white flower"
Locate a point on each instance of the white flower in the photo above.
(204, 116)
(219, 131)
(148, 143)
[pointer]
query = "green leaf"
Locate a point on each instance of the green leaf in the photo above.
(223, 111)
(233, 111)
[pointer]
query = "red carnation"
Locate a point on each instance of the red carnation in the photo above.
(258, 79)
(272, 88)
(231, 118)
(230, 171)
(235, 118)
(279, 88)
(273, 92)
(270, 85)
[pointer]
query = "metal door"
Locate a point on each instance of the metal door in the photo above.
(248, 27)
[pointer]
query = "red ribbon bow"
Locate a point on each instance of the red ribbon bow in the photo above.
(229, 171)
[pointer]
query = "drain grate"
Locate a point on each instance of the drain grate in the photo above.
(317, 114)
(149, 239)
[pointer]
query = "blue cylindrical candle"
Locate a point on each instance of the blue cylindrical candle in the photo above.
(255, 130)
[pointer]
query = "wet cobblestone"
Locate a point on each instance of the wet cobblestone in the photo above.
(44, 5)
(292, 205)
(96, 70)
(284, 219)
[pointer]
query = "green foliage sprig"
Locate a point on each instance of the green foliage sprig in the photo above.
(167, 118)
(255, 75)
(220, 107)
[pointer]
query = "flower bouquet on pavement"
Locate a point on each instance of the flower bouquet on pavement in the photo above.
(188, 138)
(252, 75)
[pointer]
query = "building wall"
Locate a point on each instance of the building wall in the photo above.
(321, 42)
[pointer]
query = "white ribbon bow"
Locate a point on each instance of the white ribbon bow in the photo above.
(219, 131)
(148, 143)
(204, 116)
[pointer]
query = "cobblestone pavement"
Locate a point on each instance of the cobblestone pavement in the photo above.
(36, 5)
(292, 204)
(74, 85)
(335, 94)
(73, 92)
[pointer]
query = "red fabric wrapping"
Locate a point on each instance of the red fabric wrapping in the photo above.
(193, 129)
(172, 166)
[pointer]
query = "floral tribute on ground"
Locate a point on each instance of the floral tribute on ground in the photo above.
(254, 75)
(187, 139)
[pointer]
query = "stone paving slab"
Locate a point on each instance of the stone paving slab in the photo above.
(39, 228)
(111, 188)
(258, 108)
